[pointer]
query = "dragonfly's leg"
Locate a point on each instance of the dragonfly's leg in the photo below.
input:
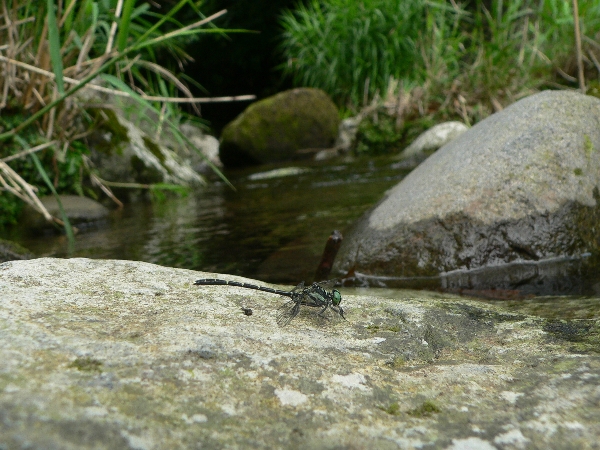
(320, 313)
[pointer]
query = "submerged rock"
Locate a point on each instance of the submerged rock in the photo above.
(279, 127)
(512, 203)
(121, 355)
(10, 251)
(81, 211)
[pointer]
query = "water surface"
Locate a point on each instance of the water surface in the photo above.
(272, 229)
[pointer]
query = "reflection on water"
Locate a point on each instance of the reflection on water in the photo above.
(273, 229)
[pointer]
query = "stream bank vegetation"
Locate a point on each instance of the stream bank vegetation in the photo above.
(446, 60)
(53, 56)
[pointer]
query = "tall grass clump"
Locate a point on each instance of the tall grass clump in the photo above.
(438, 59)
(352, 48)
(50, 50)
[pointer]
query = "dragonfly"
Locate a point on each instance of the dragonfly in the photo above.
(317, 295)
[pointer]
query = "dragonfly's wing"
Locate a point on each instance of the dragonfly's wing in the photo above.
(328, 284)
(299, 287)
(287, 312)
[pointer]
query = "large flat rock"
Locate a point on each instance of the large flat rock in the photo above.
(129, 355)
(502, 206)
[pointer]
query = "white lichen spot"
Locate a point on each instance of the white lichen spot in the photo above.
(95, 411)
(543, 426)
(472, 443)
(229, 410)
(573, 426)
(377, 340)
(512, 437)
(352, 381)
(196, 418)
(510, 396)
(137, 442)
(289, 397)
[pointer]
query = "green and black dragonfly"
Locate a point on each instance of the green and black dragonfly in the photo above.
(317, 295)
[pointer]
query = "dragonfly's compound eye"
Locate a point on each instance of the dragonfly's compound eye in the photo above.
(337, 297)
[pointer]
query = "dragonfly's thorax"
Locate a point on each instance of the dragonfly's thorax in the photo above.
(317, 295)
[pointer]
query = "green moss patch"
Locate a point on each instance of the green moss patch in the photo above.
(427, 409)
(87, 364)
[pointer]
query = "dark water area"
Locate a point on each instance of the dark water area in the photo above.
(271, 229)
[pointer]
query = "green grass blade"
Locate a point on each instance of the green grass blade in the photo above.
(68, 228)
(124, 24)
(54, 43)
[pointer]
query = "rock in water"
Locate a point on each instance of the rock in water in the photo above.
(276, 128)
(512, 203)
(100, 354)
(434, 138)
(81, 211)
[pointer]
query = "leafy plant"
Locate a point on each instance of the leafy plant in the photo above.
(437, 59)
(51, 52)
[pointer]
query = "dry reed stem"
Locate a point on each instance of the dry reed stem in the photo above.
(26, 192)
(578, 46)
(106, 90)
(37, 148)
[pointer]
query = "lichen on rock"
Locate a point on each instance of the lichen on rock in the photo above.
(104, 354)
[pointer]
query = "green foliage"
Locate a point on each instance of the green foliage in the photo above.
(381, 133)
(352, 48)
(79, 39)
(159, 191)
(468, 58)
(378, 136)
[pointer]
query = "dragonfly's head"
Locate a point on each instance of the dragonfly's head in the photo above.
(337, 297)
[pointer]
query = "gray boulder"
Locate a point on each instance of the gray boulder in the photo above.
(122, 152)
(278, 128)
(206, 151)
(433, 139)
(100, 354)
(512, 203)
(81, 211)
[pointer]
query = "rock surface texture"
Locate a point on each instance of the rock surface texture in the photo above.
(278, 127)
(99, 354)
(512, 203)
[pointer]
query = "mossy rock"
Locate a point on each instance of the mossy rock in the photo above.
(276, 128)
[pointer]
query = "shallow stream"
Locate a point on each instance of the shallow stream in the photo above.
(272, 229)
